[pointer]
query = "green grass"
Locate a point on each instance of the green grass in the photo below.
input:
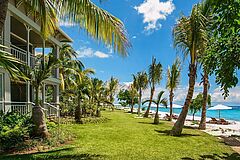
(124, 137)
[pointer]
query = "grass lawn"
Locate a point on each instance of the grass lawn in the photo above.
(125, 137)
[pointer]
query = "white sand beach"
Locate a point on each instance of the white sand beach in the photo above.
(214, 129)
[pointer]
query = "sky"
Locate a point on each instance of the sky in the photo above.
(149, 25)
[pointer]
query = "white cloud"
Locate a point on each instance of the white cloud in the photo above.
(153, 11)
(134, 37)
(89, 52)
(233, 98)
(66, 24)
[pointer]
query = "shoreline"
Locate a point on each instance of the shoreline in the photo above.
(232, 129)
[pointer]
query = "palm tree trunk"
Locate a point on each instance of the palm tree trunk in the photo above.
(178, 126)
(38, 116)
(78, 111)
(171, 104)
(193, 117)
(3, 13)
(202, 124)
(139, 101)
(156, 118)
(132, 105)
(150, 102)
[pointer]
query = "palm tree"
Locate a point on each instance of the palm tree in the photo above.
(80, 88)
(190, 37)
(140, 81)
(173, 79)
(206, 86)
(154, 77)
(97, 22)
(38, 74)
(158, 101)
(69, 64)
(133, 96)
(112, 88)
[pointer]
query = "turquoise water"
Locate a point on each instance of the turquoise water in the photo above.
(232, 114)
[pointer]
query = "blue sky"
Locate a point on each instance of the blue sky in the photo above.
(149, 25)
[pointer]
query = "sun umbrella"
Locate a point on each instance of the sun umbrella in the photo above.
(220, 107)
(175, 106)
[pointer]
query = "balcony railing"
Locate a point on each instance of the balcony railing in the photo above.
(21, 54)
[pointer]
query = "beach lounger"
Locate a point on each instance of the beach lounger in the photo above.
(213, 121)
(223, 121)
(174, 116)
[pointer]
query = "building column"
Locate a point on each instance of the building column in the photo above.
(7, 81)
(28, 62)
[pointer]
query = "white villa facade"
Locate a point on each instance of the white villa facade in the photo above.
(22, 36)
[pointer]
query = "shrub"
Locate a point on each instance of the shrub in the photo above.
(14, 129)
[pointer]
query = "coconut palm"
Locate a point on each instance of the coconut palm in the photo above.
(190, 37)
(140, 81)
(173, 79)
(154, 78)
(158, 101)
(97, 22)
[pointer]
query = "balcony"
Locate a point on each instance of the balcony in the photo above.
(22, 55)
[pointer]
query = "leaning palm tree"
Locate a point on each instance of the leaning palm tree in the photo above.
(97, 22)
(158, 101)
(190, 37)
(140, 81)
(173, 79)
(154, 77)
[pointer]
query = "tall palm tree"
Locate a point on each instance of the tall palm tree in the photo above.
(140, 81)
(154, 77)
(97, 22)
(158, 101)
(190, 37)
(173, 79)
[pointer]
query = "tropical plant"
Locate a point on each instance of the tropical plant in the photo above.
(112, 87)
(42, 70)
(11, 64)
(190, 37)
(133, 95)
(223, 50)
(154, 78)
(158, 101)
(140, 81)
(197, 102)
(69, 64)
(97, 22)
(173, 80)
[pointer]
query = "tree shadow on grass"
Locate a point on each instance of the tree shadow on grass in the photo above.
(54, 154)
(167, 132)
(225, 156)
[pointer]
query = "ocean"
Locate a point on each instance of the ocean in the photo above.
(232, 114)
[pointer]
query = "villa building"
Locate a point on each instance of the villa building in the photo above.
(23, 38)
